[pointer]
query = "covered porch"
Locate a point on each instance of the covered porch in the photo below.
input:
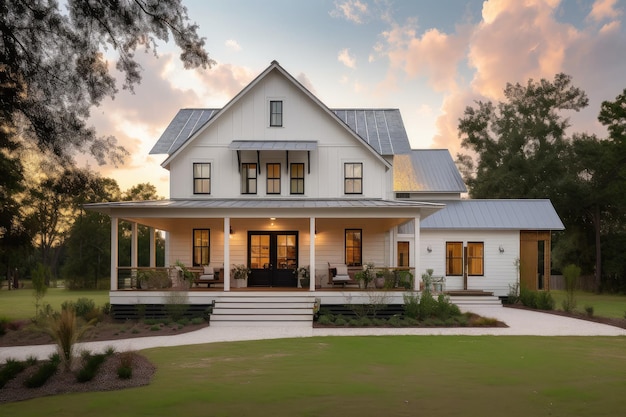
(271, 237)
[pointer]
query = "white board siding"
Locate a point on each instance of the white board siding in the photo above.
(500, 269)
(248, 119)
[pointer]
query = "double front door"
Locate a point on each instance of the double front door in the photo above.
(273, 259)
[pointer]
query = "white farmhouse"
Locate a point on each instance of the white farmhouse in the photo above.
(275, 180)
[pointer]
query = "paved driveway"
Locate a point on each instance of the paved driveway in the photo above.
(520, 322)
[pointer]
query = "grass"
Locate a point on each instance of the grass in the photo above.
(357, 376)
(20, 304)
(604, 305)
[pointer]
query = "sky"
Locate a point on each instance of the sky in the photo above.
(430, 59)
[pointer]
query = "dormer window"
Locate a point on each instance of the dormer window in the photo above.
(276, 113)
(202, 178)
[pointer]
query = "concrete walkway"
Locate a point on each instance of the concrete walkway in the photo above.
(520, 322)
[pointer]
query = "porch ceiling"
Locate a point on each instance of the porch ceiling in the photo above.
(163, 214)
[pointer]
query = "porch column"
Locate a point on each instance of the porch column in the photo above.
(114, 252)
(226, 253)
(152, 247)
(416, 254)
(312, 254)
(133, 246)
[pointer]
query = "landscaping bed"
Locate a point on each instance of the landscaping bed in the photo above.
(611, 321)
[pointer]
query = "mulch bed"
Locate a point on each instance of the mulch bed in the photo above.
(621, 323)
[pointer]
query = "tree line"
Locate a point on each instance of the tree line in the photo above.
(521, 147)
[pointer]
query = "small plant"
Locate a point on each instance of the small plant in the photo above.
(65, 331)
(197, 320)
(45, 371)
(10, 370)
(544, 300)
(92, 364)
(365, 276)
(125, 369)
(570, 275)
(4, 325)
(411, 305)
(240, 271)
(589, 311)
(528, 297)
(177, 304)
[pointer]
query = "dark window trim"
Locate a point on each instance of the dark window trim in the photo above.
(482, 259)
(195, 191)
(268, 178)
(276, 116)
(360, 247)
(346, 178)
(245, 180)
(296, 180)
(194, 246)
(458, 257)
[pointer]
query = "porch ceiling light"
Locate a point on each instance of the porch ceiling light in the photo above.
(231, 230)
(501, 249)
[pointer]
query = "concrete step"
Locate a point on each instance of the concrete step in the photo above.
(261, 317)
(260, 304)
(259, 310)
(248, 310)
(476, 300)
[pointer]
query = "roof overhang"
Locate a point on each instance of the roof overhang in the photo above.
(272, 145)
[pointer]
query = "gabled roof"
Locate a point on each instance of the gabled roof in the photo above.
(382, 131)
(495, 214)
(427, 171)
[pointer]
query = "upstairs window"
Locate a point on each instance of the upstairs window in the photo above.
(296, 179)
(353, 178)
(201, 178)
(276, 113)
(353, 247)
(248, 178)
(273, 178)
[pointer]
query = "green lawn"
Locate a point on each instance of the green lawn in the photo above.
(20, 304)
(369, 376)
(604, 305)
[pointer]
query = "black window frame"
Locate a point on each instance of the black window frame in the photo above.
(296, 180)
(350, 259)
(351, 178)
(199, 250)
(276, 113)
(246, 181)
(272, 168)
(201, 179)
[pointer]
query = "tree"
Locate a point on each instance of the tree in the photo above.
(518, 143)
(53, 69)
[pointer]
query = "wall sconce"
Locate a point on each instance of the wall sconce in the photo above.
(429, 249)
(501, 249)
(231, 230)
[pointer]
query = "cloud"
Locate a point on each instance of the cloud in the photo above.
(304, 80)
(233, 45)
(346, 59)
(604, 10)
(352, 10)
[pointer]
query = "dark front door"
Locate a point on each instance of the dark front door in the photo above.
(273, 258)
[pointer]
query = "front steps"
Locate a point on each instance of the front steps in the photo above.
(263, 310)
(466, 301)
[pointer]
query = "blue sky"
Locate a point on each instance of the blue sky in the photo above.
(430, 59)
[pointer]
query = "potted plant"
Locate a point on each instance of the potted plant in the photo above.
(365, 276)
(240, 273)
(304, 275)
(379, 281)
(187, 276)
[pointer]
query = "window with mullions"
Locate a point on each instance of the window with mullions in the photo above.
(201, 178)
(248, 178)
(353, 178)
(475, 258)
(201, 247)
(276, 113)
(273, 178)
(454, 258)
(353, 247)
(297, 179)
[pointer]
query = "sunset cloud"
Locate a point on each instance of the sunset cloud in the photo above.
(233, 45)
(353, 11)
(605, 10)
(346, 59)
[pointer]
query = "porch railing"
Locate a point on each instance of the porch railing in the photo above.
(140, 277)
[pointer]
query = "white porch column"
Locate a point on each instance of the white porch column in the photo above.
(312, 254)
(114, 252)
(133, 245)
(152, 247)
(226, 253)
(416, 254)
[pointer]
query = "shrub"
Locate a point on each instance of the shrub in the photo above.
(589, 311)
(325, 319)
(445, 309)
(10, 370)
(411, 305)
(340, 321)
(570, 275)
(4, 325)
(65, 331)
(528, 297)
(106, 309)
(428, 306)
(125, 369)
(197, 320)
(177, 304)
(92, 364)
(544, 300)
(44, 372)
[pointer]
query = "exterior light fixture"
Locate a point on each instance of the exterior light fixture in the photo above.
(501, 248)
(429, 249)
